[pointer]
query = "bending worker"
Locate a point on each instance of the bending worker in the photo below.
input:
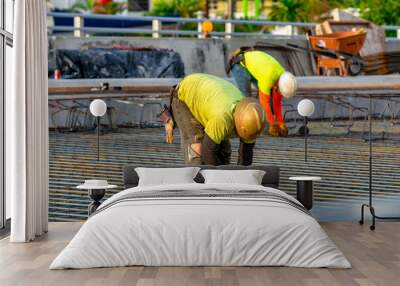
(251, 66)
(209, 111)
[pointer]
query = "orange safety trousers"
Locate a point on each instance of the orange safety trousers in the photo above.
(272, 109)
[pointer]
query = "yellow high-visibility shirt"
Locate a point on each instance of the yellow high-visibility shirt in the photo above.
(264, 68)
(212, 101)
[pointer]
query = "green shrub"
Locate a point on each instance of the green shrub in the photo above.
(177, 8)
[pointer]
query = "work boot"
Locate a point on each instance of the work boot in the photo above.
(274, 130)
(283, 130)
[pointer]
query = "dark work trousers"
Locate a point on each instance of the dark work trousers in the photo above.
(191, 132)
(243, 79)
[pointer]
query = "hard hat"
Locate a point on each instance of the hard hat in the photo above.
(249, 119)
(287, 84)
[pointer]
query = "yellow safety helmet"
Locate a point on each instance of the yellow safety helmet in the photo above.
(249, 119)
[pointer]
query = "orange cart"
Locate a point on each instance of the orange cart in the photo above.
(338, 51)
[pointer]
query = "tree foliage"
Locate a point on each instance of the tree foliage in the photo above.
(380, 12)
(298, 10)
(178, 8)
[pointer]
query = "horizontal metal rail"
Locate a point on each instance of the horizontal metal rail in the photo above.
(181, 20)
(162, 32)
(311, 86)
(156, 22)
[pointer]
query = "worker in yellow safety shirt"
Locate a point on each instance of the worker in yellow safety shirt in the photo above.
(252, 66)
(208, 111)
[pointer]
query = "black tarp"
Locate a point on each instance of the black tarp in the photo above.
(117, 63)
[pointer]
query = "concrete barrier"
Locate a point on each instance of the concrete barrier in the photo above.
(207, 55)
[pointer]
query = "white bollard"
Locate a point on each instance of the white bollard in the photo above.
(78, 26)
(156, 28)
(229, 28)
(200, 15)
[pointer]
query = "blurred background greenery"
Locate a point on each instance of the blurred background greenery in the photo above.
(381, 12)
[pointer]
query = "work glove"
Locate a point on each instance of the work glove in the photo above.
(167, 119)
(169, 131)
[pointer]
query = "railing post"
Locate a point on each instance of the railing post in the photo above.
(156, 28)
(79, 23)
(229, 29)
(200, 16)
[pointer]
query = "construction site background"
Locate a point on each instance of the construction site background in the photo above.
(132, 132)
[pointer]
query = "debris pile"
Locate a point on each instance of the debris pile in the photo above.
(117, 62)
(382, 63)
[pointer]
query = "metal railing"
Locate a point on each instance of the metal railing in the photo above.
(156, 26)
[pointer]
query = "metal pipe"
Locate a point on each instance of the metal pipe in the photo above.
(98, 138)
(166, 32)
(311, 83)
(370, 149)
(182, 20)
(314, 84)
(305, 138)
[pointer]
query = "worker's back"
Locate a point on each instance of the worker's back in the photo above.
(264, 68)
(211, 100)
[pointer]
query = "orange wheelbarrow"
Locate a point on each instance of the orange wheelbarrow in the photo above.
(337, 51)
(345, 46)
